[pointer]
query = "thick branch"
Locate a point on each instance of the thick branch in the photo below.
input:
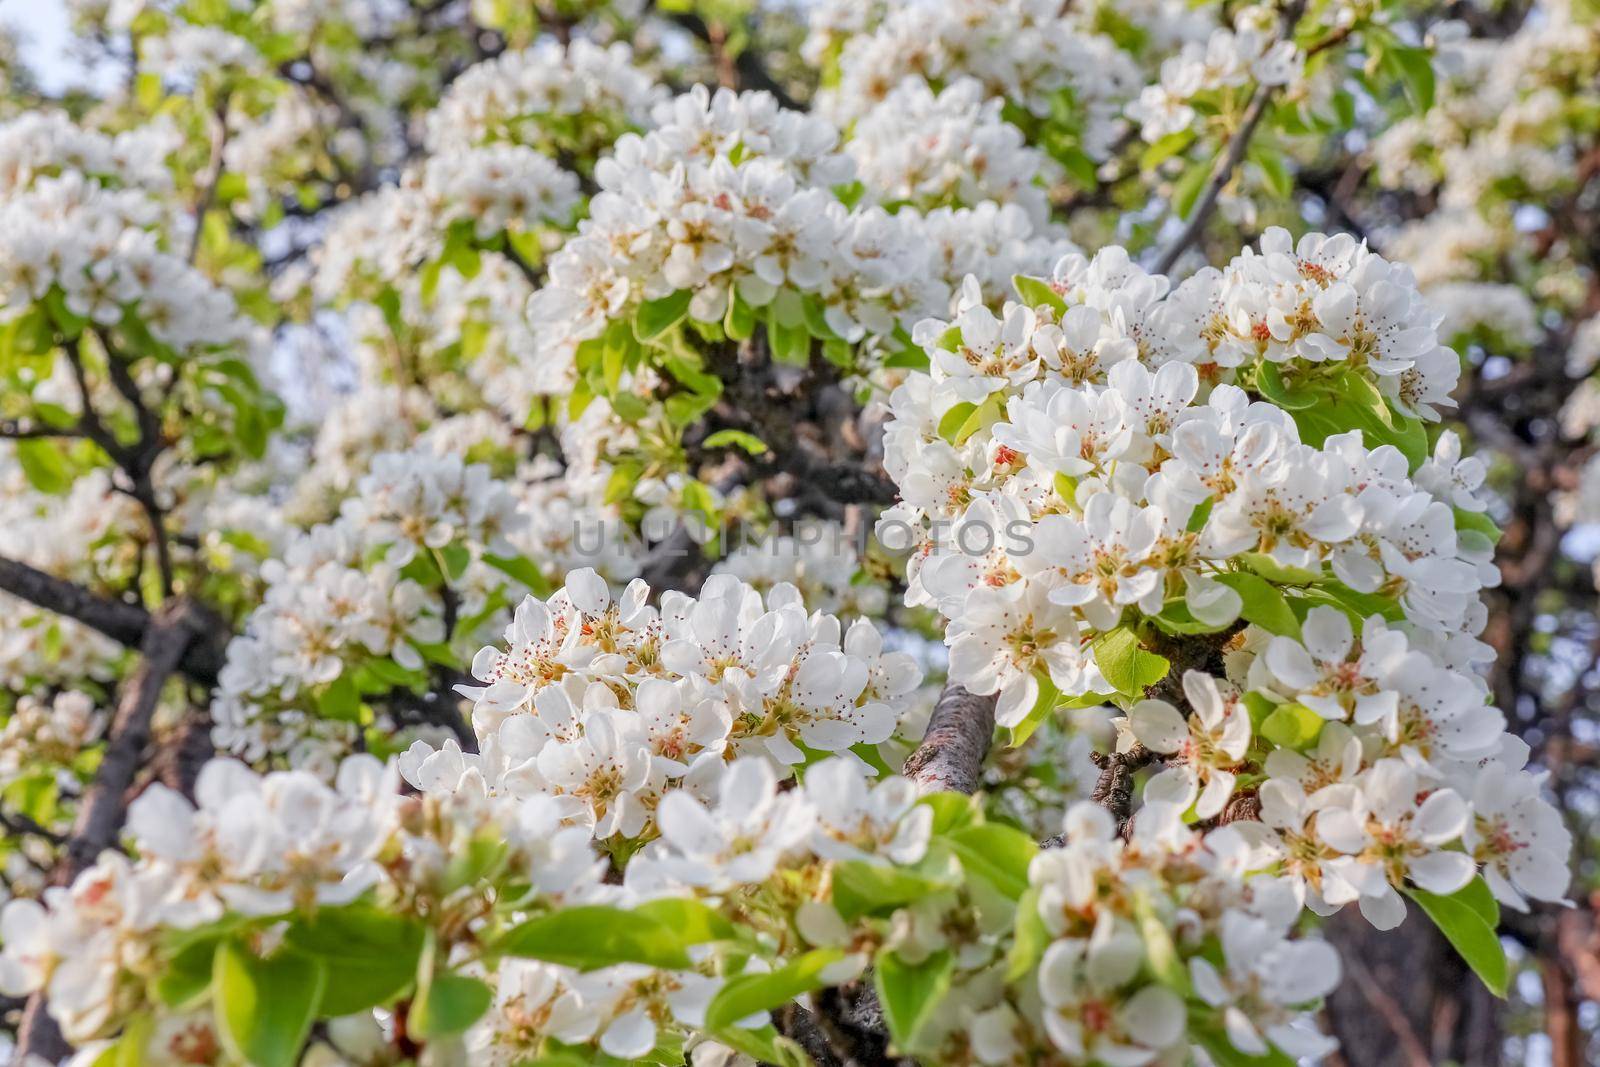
(123, 623)
(171, 632)
(104, 805)
(952, 751)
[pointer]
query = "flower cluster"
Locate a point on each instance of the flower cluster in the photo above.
(1227, 60)
(1110, 983)
(573, 101)
(403, 564)
(1079, 478)
(1027, 53)
(102, 250)
(676, 213)
(947, 149)
(607, 703)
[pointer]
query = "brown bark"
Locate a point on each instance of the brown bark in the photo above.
(104, 805)
(126, 623)
(952, 751)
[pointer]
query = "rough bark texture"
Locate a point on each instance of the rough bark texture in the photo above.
(952, 751)
(103, 808)
(125, 623)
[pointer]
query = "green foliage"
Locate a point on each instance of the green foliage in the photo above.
(751, 994)
(911, 992)
(1467, 919)
(1127, 664)
(592, 936)
(264, 1007)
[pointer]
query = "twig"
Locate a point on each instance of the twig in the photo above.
(1207, 203)
(212, 175)
(1410, 1043)
(1260, 100)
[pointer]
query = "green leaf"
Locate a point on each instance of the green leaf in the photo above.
(340, 700)
(1462, 918)
(1270, 159)
(523, 570)
(1275, 572)
(43, 465)
(656, 317)
(694, 923)
(860, 888)
(1043, 708)
(1414, 69)
(1186, 190)
(264, 1008)
(1126, 664)
(1479, 523)
(1264, 604)
(996, 853)
(1159, 949)
(790, 344)
(1029, 936)
(1292, 726)
(447, 1004)
(1036, 292)
(749, 994)
(1215, 1041)
(951, 811)
(1164, 149)
(371, 956)
(951, 421)
(1477, 895)
(594, 935)
(1348, 401)
(910, 993)
(747, 441)
(740, 321)
(763, 1044)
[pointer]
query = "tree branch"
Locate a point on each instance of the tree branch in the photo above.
(952, 751)
(1255, 111)
(124, 623)
(104, 806)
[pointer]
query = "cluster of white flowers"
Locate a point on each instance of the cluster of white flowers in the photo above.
(499, 188)
(1323, 302)
(41, 735)
(40, 650)
(1252, 53)
(259, 845)
(1064, 468)
(338, 598)
(385, 237)
(189, 53)
(575, 99)
(41, 144)
(1024, 51)
(1501, 314)
(287, 844)
(98, 245)
(606, 703)
(1504, 115)
(948, 149)
(1105, 986)
(676, 212)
